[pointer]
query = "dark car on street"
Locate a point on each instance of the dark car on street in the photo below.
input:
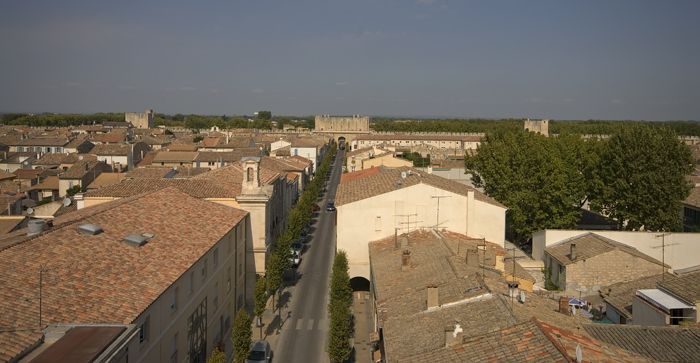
(330, 207)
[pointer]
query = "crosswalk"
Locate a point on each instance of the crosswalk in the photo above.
(310, 324)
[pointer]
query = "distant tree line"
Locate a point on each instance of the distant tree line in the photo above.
(593, 127)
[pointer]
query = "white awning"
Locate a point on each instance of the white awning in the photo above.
(663, 300)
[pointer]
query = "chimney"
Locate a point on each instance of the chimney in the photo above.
(572, 254)
(513, 290)
(433, 300)
(564, 305)
(406, 260)
(473, 257)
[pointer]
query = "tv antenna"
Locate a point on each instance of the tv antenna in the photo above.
(512, 257)
(408, 227)
(437, 223)
(30, 210)
(663, 253)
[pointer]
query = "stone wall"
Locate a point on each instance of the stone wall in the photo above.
(342, 123)
(140, 120)
(606, 269)
(539, 126)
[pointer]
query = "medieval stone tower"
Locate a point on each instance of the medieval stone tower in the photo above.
(539, 126)
(140, 120)
(342, 123)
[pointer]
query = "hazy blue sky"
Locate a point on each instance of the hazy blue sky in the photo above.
(632, 59)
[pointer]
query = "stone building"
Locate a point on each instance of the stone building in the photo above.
(539, 126)
(590, 261)
(140, 120)
(342, 123)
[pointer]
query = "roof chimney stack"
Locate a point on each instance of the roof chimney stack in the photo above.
(433, 300)
(405, 260)
(473, 257)
(572, 254)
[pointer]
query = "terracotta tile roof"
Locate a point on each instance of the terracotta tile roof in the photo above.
(58, 159)
(283, 151)
(449, 164)
(112, 137)
(42, 141)
(241, 142)
(111, 149)
(182, 147)
(694, 198)
(106, 179)
(183, 172)
(175, 156)
(301, 159)
(20, 156)
(6, 175)
(27, 173)
(384, 182)
(227, 156)
(147, 159)
(347, 177)
(49, 183)
(620, 295)
(15, 344)
(8, 223)
(686, 286)
(230, 177)
(197, 188)
(77, 142)
(305, 142)
(210, 141)
(151, 172)
(80, 168)
(280, 165)
(589, 245)
(79, 266)
(663, 344)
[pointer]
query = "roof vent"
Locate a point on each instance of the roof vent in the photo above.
(35, 226)
(90, 229)
(135, 240)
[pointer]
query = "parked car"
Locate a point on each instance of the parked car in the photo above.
(316, 208)
(330, 207)
(260, 352)
(296, 247)
(294, 259)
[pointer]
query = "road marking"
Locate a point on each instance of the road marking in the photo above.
(310, 324)
(299, 324)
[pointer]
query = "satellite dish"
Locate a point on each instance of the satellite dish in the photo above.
(403, 174)
(66, 202)
(30, 210)
(579, 354)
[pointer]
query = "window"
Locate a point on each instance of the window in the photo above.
(378, 223)
(204, 269)
(216, 257)
(190, 283)
(228, 280)
(173, 299)
(144, 330)
(215, 301)
(173, 348)
(70, 184)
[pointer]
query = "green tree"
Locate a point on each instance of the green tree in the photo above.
(74, 190)
(242, 338)
(339, 346)
(264, 115)
(642, 174)
(526, 172)
(273, 274)
(217, 356)
(260, 296)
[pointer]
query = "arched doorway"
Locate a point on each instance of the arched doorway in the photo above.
(359, 283)
(341, 143)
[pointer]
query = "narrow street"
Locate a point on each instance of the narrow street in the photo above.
(304, 331)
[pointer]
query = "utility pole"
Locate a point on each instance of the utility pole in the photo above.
(437, 223)
(663, 253)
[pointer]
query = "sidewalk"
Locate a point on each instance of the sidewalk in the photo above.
(271, 317)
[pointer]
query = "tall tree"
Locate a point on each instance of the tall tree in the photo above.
(264, 115)
(526, 172)
(642, 171)
(242, 338)
(260, 296)
(273, 275)
(217, 356)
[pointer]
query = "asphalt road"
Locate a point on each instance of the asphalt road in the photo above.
(304, 332)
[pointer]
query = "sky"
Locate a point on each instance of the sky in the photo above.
(561, 60)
